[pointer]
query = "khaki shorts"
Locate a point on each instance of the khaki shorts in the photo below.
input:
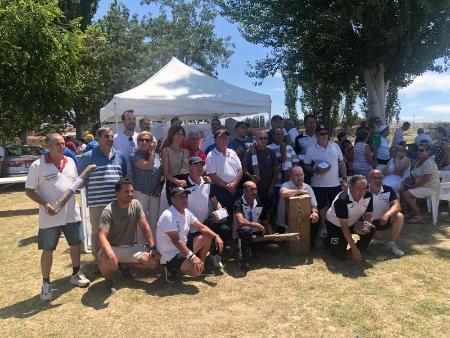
(422, 192)
(128, 253)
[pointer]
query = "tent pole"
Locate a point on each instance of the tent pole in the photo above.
(115, 118)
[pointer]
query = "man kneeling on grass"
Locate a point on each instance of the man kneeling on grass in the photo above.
(117, 236)
(177, 253)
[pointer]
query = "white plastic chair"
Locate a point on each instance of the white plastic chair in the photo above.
(443, 193)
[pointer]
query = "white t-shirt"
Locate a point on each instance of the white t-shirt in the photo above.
(332, 154)
(293, 133)
(50, 184)
(382, 201)
(198, 199)
(383, 149)
(172, 220)
(281, 217)
(126, 147)
(225, 167)
(423, 138)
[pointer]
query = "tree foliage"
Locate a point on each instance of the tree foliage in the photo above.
(334, 43)
(38, 65)
(84, 10)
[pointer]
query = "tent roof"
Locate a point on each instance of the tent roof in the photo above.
(179, 90)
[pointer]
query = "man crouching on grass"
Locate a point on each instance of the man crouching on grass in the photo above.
(117, 236)
(177, 253)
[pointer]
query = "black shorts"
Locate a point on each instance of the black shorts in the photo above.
(381, 227)
(380, 161)
(325, 195)
(178, 259)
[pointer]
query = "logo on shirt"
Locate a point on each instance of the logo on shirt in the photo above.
(50, 178)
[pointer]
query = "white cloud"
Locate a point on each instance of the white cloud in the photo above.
(428, 82)
(439, 108)
(278, 75)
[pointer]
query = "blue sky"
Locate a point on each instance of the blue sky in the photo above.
(426, 99)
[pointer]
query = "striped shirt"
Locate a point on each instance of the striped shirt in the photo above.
(100, 187)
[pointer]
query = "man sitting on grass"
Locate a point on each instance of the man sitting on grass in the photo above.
(177, 253)
(248, 218)
(117, 236)
(386, 209)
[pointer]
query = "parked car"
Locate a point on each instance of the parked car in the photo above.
(18, 158)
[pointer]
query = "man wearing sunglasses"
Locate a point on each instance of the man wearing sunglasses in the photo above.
(126, 140)
(325, 161)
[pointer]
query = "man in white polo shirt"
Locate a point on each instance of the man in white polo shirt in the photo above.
(49, 178)
(324, 160)
(126, 140)
(224, 168)
(345, 211)
(201, 202)
(178, 255)
(386, 209)
(295, 187)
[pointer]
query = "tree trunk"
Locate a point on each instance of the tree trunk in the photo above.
(376, 91)
(79, 126)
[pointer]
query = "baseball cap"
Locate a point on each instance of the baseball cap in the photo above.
(89, 137)
(241, 123)
(195, 160)
(321, 127)
(220, 132)
(178, 191)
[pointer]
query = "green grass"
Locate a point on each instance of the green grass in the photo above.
(284, 296)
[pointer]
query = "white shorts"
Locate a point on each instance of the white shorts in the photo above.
(422, 192)
(128, 253)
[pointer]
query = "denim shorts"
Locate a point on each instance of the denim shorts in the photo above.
(48, 238)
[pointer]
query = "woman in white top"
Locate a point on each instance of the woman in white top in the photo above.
(362, 154)
(398, 169)
(382, 151)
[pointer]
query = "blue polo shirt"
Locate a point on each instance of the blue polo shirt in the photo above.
(100, 187)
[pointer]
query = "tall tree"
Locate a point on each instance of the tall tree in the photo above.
(38, 66)
(387, 42)
(84, 10)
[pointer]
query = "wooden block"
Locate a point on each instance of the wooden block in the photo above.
(277, 237)
(298, 210)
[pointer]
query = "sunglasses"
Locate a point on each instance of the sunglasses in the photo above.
(323, 134)
(263, 138)
(146, 140)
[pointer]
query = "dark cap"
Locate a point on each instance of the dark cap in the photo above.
(241, 123)
(276, 117)
(179, 191)
(220, 132)
(321, 127)
(195, 160)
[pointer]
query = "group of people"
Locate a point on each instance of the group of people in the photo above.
(218, 192)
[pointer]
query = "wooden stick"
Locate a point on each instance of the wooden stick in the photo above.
(277, 237)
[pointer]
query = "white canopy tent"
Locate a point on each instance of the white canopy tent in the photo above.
(179, 90)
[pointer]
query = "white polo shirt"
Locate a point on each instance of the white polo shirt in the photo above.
(331, 154)
(225, 166)
(172, 220)
(281, 217)
(126, 147)
(50, 184)
(382, 201)
(198, 199)
(344, 206)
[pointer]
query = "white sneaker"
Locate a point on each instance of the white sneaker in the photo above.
(217, 261)
(46, 291)
(395, 249)
(79, 280)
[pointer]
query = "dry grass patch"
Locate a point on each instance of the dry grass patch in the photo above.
(285, 296)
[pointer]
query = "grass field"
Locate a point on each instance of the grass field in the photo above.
(284, 296)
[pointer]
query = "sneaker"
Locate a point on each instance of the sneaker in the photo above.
(46, 291)
(171, 275)
(79, 280)
(110, 286)
(216, 260)
(395, 249)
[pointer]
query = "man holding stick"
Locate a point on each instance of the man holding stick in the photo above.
(48, 179)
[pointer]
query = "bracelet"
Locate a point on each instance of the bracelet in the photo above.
(192, 257)
(189, 255)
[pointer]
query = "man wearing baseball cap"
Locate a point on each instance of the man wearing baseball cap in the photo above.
(325, 161)
(224, 168)
(178, 255)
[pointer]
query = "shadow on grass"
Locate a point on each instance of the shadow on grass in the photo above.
(27, 241)
(34, 305)
(19, 212)
(97, 295)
